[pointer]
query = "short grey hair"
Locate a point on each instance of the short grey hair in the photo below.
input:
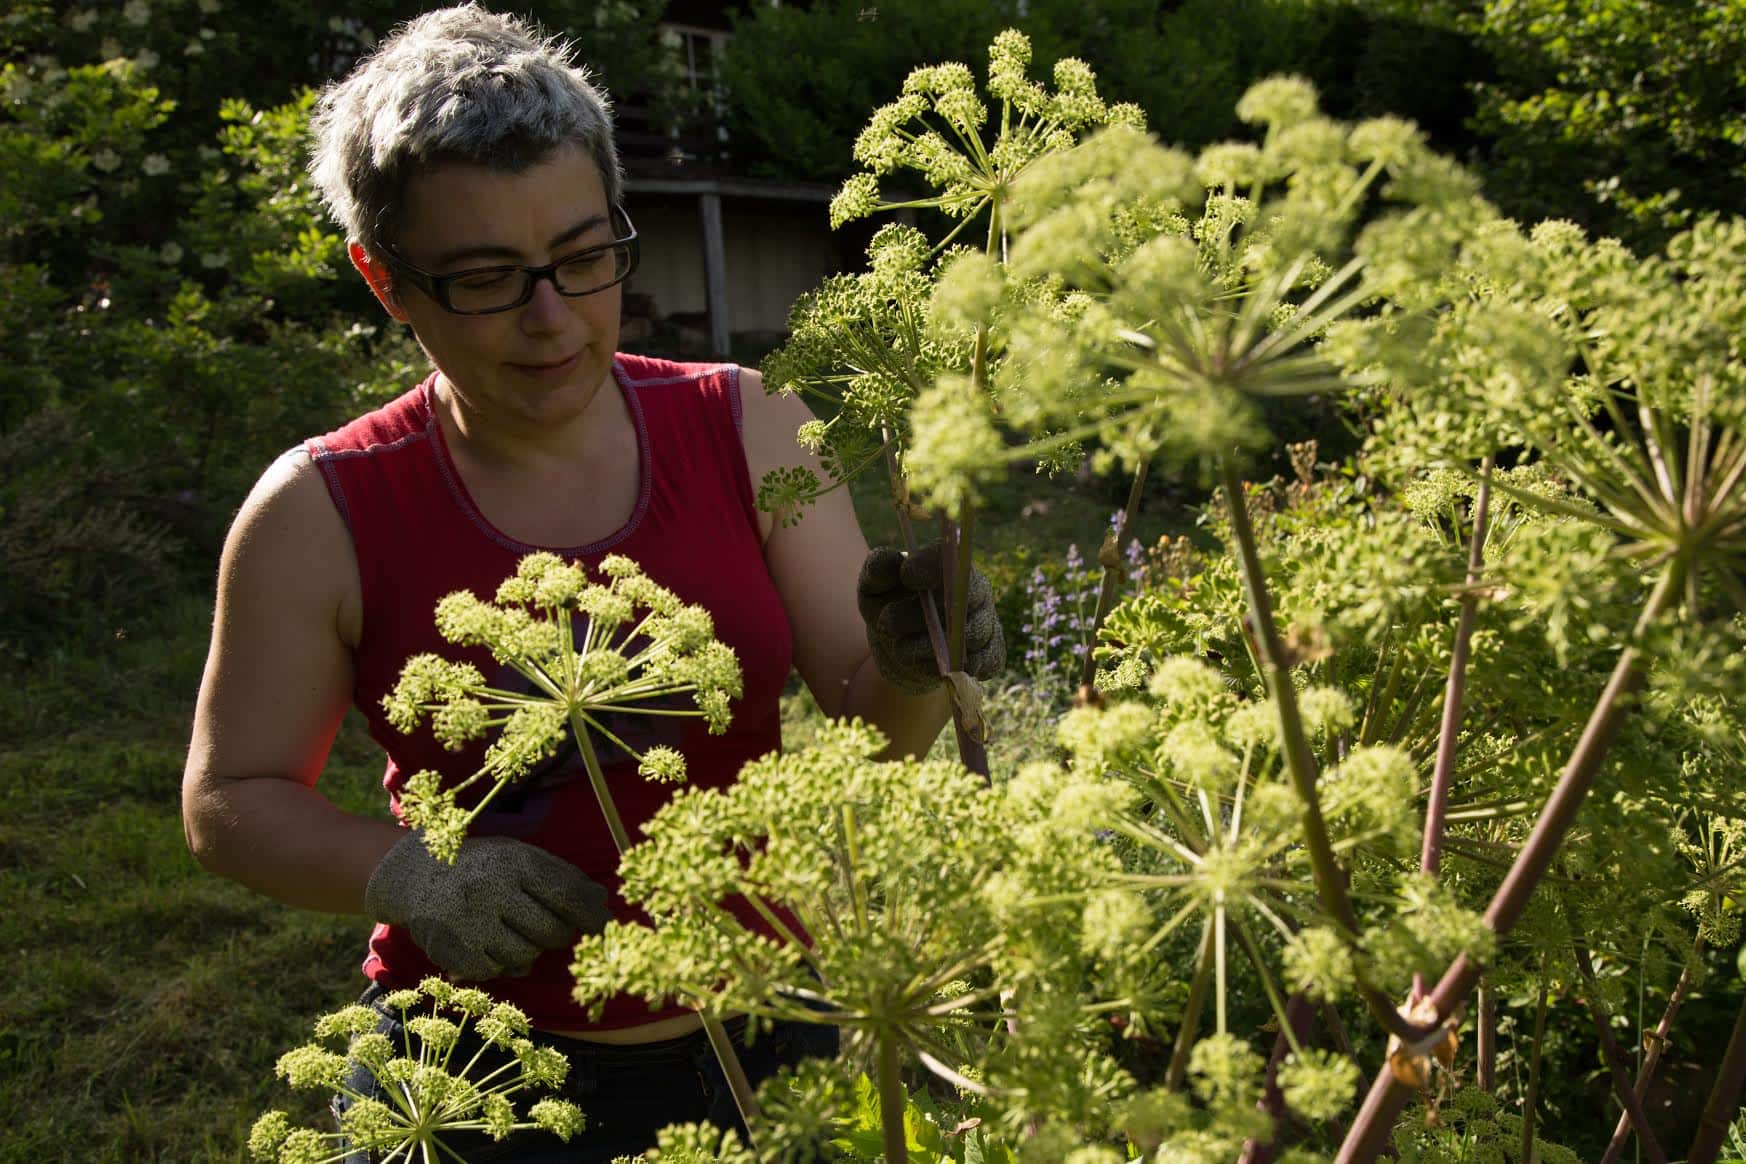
(456, 85)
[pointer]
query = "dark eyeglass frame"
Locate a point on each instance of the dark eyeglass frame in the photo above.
(437, 286)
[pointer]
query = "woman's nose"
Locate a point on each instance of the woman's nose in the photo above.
(546, 309)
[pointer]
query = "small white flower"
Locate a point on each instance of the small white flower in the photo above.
(212, 260)
(193, 49)
(146, 58)
(207, 33)
(137, 12)
(155, 164)
(109, 49)
(19, 87)
(171, 253)
(106, 160)
(83, 20)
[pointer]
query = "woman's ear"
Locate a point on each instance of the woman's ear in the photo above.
(377, 276)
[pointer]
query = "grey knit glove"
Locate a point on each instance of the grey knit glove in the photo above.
(889, 595)
(492, 911)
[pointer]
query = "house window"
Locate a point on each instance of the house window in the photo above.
(700, 52)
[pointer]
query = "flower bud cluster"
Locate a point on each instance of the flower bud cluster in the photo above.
(584, 647)
(435, 1095)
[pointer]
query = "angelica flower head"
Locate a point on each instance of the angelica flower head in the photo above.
(586, 645)
(421, 1066)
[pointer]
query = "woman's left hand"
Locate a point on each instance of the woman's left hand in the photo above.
(889, 594)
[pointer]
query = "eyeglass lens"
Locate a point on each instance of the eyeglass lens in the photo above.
(493, 290)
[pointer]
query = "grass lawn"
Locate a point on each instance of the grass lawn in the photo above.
(146, 1000)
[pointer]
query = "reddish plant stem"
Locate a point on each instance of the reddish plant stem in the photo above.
(1443, 770)
(1369, 1132)
(1299, 1011)
(1724, 1098)
(1448, 732)
(1652, 1057)
(1615, 1060)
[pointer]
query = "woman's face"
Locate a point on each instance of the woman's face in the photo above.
(534, 366)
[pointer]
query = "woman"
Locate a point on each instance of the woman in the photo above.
(473, 168)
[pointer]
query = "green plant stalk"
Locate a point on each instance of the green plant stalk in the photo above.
(1652, 1058)
(596, 777)
(970, 750)
(725, 1055)
(1615, 1060)
(1300, 761)
(1203, 972)
(1110, 557)
(892, 1100)
(1724, 1097)
(1367, 1136)
(1533, 1097)
(1485, 1071)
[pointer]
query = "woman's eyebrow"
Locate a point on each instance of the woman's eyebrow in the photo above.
(450, 258)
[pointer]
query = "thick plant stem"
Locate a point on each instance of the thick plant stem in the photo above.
(1300, 761)
(1532, 1105)
(1615, 1060)
(1203, 973)
(1276, 670)
(1299, 1012)
(1652, 1057)
(1370, 1129)
(731, 1070)
(1443, 770)
(967, 723)
(1485, 1071)
(891, 1102)
(744, 1097)
(1110, 558)
(1724, 1098)
(970, 749)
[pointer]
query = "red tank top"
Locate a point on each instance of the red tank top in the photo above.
(694, 529)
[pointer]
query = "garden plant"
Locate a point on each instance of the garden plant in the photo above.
(1334, 774)
(1401, 756)
(433, 1089)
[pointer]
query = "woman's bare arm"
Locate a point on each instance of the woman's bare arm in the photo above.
(278, 681)
(815, 564)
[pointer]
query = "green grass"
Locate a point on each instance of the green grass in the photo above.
(146, 999)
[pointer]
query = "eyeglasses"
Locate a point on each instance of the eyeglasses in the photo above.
(486, 290)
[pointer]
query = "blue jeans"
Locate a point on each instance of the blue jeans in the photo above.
(626, 1093)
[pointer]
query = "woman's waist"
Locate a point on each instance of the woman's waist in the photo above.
(673, 1037)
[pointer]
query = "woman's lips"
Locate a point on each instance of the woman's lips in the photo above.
(548, 371)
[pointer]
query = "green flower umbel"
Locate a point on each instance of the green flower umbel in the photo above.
(585, 647)
(423, 1096)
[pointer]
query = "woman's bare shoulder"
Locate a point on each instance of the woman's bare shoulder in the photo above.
(289, 543)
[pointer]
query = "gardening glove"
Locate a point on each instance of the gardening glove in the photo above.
(492, 911)
(889, 594)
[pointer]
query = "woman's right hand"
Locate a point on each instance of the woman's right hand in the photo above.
(492, 912)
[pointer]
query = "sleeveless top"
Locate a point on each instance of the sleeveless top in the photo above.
(419, 536)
